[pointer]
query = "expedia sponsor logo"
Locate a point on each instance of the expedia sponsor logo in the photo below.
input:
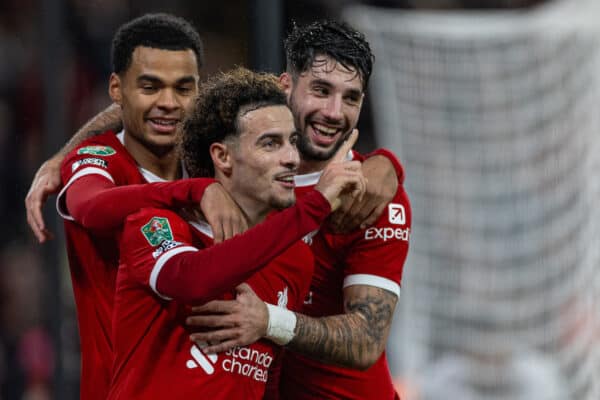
(396, 214)
(98, 162)
(166, 245)
(387, 233)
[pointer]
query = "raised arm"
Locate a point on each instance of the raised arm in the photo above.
(191, 275)
(384, 174)
(47, 178)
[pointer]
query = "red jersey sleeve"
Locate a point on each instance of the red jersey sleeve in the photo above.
(102, 157)
(96, 203)
(151, 237)
(157, 249)
(393, 159)
(377, 255)
(97, 189)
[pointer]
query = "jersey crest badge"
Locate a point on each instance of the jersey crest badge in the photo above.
(157, 230)
(282, 298)
(308, 239)
(97, 150)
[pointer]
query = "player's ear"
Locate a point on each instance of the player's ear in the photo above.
(221, 157)
(114, 88)
(286, 82)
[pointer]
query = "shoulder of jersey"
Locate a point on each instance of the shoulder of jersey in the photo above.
(103, 145)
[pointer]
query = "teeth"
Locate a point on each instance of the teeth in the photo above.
(163, 122)
(325, 130)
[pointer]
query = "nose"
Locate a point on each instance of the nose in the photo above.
(168, 99)
(333, 108)
(290, 157)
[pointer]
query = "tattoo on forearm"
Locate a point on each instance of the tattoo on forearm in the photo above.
(377, 313)
(354, 339)
(109, 119)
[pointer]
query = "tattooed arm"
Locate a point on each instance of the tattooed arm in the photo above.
(47, 178)
(105, 120)
(355, 339)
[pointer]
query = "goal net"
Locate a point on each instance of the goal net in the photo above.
(495, 116)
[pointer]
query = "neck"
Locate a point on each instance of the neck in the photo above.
(254, 215)
(162, 162)
(254, 211)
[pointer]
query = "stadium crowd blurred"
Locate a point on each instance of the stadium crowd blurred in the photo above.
(27, 355)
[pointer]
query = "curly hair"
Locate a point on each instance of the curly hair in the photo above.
(337, 40)
(216, 113)
(159, 31)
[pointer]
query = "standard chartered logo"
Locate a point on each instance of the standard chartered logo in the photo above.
(243, 361)
(199, 359)
(248, 362)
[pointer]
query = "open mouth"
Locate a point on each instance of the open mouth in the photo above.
(324, 135)
(163, 124)
(287, 180)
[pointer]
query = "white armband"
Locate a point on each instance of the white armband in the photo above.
(282, 323)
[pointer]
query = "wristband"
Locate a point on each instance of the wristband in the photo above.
(282, 323)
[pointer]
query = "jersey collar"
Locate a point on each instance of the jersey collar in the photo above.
(312, 178)
(149, 176)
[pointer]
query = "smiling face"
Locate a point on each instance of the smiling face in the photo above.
(326, 101)
(154, 93)
(264, 160)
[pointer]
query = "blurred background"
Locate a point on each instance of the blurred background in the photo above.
(492, 107)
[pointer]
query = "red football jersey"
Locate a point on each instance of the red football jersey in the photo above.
(373, 257)
(94, 257)
(154, 358)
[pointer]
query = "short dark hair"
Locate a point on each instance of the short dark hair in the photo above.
(337, 40)
(159, 31)
(220, 103)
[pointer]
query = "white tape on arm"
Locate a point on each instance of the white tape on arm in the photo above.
(282, 323)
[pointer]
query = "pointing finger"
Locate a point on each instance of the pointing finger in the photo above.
(340, 155)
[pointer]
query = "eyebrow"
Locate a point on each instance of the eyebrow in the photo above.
(156, 80)
(186, 79)
(277, 135)
(354, 92)
(269, 135)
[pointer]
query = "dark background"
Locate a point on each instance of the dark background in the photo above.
(54, 65)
